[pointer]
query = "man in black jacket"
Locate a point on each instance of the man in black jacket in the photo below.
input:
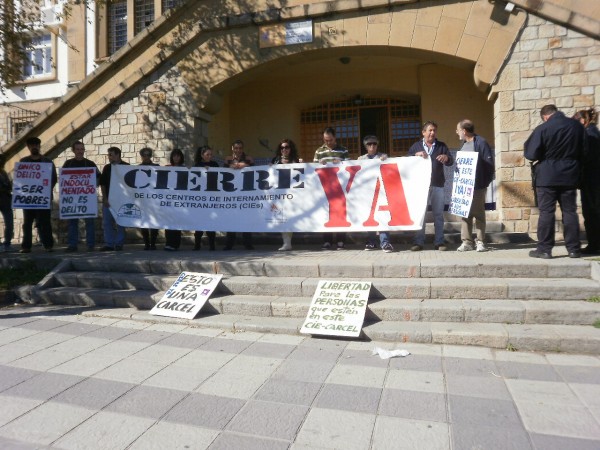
(557, 146)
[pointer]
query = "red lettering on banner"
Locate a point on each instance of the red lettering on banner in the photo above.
(394, 190)
(335, 196)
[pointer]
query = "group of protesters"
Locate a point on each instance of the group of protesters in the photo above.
(579, 151)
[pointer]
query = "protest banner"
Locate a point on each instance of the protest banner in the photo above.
(337, 308)
(463, 183)
(352, 196)
(78, 196)
(187, 295)
(32, 185)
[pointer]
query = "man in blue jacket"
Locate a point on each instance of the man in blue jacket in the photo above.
(484, 174)
(439, 155)
(556, 146)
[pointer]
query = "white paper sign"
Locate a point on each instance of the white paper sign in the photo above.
(186, 297)
(463, 184)
(78, 196)
(337, 308)
(32, 185)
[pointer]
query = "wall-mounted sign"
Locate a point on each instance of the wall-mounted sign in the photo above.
(285, 34)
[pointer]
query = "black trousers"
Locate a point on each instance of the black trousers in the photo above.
(150, 235)
(44, 224)
(590, 207)
(173, 238)
(230, 239)
(212, 236)
(566, 196)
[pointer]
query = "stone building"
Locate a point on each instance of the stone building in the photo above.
(169, 74)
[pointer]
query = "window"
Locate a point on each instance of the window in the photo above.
(20, 119)
(170, 4)
(38, 62)
(144, 14)
(117, 25)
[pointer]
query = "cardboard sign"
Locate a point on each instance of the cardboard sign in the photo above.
(32, 185)
(464, 183)
(337, 308)
(78, 196)
(186, 297)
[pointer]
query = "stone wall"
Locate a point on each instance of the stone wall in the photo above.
(549, 64)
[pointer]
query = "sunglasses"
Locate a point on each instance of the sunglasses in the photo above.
(372, 143)
(285, 146)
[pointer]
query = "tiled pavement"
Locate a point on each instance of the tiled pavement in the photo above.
(75, 382)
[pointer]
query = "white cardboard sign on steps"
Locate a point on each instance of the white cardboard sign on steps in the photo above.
(186, 297)
(337, 308)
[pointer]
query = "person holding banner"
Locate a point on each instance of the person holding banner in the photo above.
(557, 145)
(238, 160)
(113, 239)
(42, 217)
(484, 174)
(439, 155)
(371, 144)
(148, 234)
(173, 237)
(203, 158)
(286, 154)
(331, 152)
(90, 223)
(5, 205)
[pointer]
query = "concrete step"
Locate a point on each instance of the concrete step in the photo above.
(571, 312)
(408, 288)
(517, 337)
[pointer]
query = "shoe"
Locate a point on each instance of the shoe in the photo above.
(575, 254)
(212, 247)
(249, 247)
(285, 248)
(340, 245)
(146, 246)
(49, 249)
(118, 248)
(387, 248)
(106, 248)
(152, 246)
(326, 246)
(8, 248)
(370, 246)
(228, 247)
(169, 248)
(416, 248)
(541, 255)
(590, 251)
(481, 247)
(70, 249)
(441, 247)
(25, 250)
(465, 247)
(196, 247)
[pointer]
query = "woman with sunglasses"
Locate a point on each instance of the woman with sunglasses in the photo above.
(286, 154)
(173, 237)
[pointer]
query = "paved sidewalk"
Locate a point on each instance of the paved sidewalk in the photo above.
(73, 382)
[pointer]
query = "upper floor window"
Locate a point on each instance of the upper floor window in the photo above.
(38, 62)
(144, 14)
(117, 25)
(170, 4)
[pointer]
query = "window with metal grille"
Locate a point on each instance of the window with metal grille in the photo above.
(38, 62)
(170, 4)
(396, 122)
(117, 25)
(19, 120)
(143, 14)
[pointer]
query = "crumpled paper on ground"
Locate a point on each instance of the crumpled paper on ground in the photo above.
(387, 354)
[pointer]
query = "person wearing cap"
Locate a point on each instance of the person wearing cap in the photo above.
(148, 234)
(42, 217)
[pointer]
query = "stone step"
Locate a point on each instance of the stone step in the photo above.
(409, 288)
(571, 312)
(349, 264)
(517, 337)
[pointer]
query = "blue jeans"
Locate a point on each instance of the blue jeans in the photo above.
(384, 237)
(112, 237)
(436, 199)
(73, 232)
(7, 214)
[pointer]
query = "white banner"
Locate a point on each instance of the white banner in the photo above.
(463, 184)
(32, 185)
(352, 196)
(78, 196)
(186, 297)
(337, 308)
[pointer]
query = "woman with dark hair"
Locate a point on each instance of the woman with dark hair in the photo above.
(590, 181)
(148, 234)
(286, 154)
(203, 158)
(173, 237)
